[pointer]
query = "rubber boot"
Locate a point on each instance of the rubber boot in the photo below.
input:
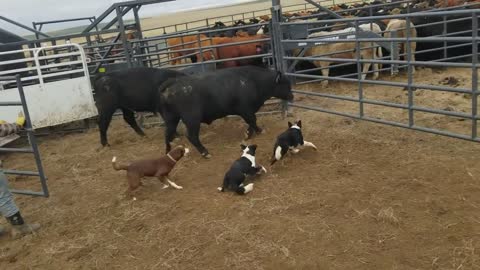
(19, 227)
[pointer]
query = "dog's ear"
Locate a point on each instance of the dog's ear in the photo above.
(289, 124)
(253, 147)
(299, 123)
(243, 146)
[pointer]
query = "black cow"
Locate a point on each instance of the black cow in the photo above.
(130, 90)
(453, 27)
(225, 33)
(203, 98)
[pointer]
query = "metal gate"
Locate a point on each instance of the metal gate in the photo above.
(411, 109)
(57, 86)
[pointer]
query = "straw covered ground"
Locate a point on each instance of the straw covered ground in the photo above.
(371, 197)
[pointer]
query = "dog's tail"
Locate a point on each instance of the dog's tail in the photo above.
(117, 166)
(277, 154)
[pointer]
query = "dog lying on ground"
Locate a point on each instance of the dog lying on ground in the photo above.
(289, 140)
(159, 168)
(242, 167)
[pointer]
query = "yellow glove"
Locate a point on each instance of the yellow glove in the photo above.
(20, 121)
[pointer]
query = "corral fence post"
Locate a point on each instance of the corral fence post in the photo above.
(394, 53)
(141, 46)
(359, 69)
(123, 35)
(408, 51)
(200, 50)
(474, 74)
(278, 52)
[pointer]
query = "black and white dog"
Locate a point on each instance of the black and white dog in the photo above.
(289, 140)
(242, 167)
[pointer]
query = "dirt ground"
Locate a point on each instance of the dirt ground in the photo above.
(371, 197)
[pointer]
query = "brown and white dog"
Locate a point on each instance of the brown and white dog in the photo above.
(159, 168)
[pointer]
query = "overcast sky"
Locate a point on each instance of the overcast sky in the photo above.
(27, 11)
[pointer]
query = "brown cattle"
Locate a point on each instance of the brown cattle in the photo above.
(449, 3)
(239, 50)
(265, 18)
(189, 42)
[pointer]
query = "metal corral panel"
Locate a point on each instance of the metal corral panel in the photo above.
(62, 95)
(53, 104)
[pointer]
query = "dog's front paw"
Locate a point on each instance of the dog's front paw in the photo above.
(294, 150)
(165, 186)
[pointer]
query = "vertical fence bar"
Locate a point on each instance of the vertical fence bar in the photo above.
(409, 74)
(359, 70)
(140, 36)
(200, 51)
(123, 36)
(277, 35)
(31, 137)
(444, 33)
(394, 54)
(474, 74)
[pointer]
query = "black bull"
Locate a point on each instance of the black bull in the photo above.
(209, 96)
(129, 90)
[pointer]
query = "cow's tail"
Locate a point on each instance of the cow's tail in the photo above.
(117, 166)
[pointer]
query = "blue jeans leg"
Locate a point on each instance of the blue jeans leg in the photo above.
(7, 206)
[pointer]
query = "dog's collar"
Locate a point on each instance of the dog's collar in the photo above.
(171, 158)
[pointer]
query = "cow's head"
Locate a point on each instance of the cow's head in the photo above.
(283, 87)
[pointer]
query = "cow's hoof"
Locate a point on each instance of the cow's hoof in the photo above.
(206, 155)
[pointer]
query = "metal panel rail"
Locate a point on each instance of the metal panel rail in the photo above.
(33, 144)
(410, 111)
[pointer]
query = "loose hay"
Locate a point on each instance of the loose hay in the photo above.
(386, 216)
(318, 211)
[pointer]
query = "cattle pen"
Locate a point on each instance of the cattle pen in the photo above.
(387, 90)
